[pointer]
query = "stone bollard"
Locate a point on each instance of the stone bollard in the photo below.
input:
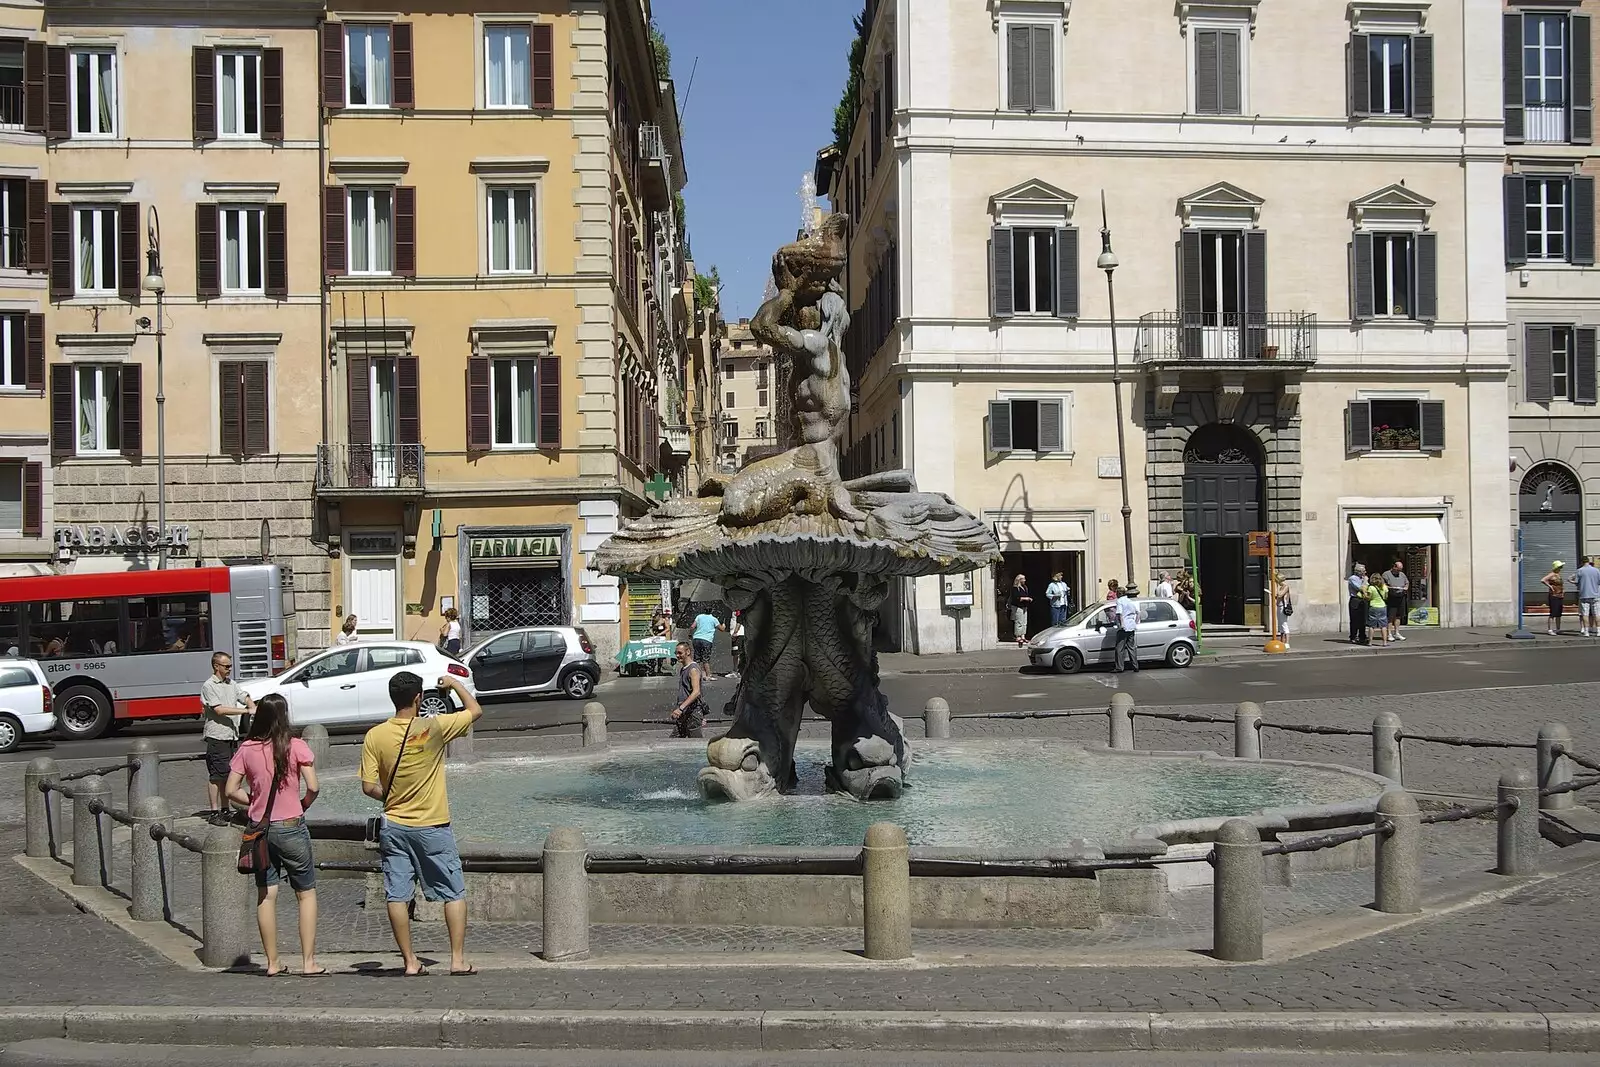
(1121, 712)
(886, 893)
(227, 901)
(1247, 731)
(936, 719)
(91, 833)
(316, 738)
(1386, 745)
(1554, 767)
(566, 896)
(1517, 843)
(1398, 872)
(144, 770)
(43, 829)
(594, 723)
(1236, 898)
(148, 896)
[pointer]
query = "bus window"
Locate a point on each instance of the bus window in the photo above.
(10, 629)
(75, 628)
(176, 622)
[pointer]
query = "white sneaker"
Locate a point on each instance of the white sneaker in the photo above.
(1399, 637)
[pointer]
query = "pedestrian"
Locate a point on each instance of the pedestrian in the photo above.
(660, 625)
(1356, 584)
(222, 703)
(1377, 611)
(450, 632)
(1059, 594)
(704, 636)
(1183, 590)
(690, 713)
(1588, 582)
(736, 637)
(1126, 611)
(1164, 588)
(1556, 583)
(1112, 591)
(1021, 601)
(402, 767)
(1284, 604)
(274, 763)
(1397, 586)
(347, 632)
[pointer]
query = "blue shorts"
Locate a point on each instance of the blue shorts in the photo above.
(425, 854)
(288, 857)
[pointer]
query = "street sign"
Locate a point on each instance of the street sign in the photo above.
(1260, 543)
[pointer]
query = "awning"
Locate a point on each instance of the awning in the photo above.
(1400, 530)
(1018, 535)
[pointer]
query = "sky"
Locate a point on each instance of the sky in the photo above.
(760, 106)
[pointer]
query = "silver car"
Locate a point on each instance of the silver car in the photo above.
(1166, 632)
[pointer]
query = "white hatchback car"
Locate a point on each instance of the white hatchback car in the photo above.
(350, 683)
(25, 702)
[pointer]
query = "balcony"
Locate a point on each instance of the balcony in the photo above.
(679, 439)
(11, 105)
(1545, 124)
(346, 470)
(657, 166)
(1224, 348)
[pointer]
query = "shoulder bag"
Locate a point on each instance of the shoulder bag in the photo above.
(253, 849)
(375, 823)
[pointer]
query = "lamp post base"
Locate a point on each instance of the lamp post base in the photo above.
(1275, 646)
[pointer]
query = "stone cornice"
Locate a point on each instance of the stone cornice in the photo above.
(203, 12)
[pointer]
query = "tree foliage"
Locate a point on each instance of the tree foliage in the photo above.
(658, 45)
(706, 287)
(844, 116)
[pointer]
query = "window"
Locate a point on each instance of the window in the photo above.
(1393, 275)
(1559, 364)
(367, 66)
(1544, 76)
(1221, 273)
(13, 351)
(1403, 424)
(13, 218)
(1547, 83)
(11, 88)
(243, 250)
(511, 230)
(1547, 218)
(507, 66)
(379, 659)
(95, 249)
(515, 385)
(11, 629)
(1033, 276)
(1033, 271)
(730, 430)
(1218, 71)
(58, 629)
(761, 431)
(729, 366)
(1397, 276)
(1030, 81)
(99, 405)
(94, 94)
(10, 499)
(731, 401)
(371, 231)
(761, 398)
(1157, 611)
(1389, 74)
(177, 622)
(239, 94)
(15, 677)
(345, 661)
(1027, 426)
(242, 411)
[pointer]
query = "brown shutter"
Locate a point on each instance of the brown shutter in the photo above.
(128, 252)
(38, 251)
(32, 499)
(543, 49)
(254, 390)
(332, 65)
(277, 230)
(402, 86)
(550, 402)
(33, 86)
(33, 330)
(62, 283)
(205, 94)
(358, 379)
(405, 231)
(1511, 76)
(57, 97)
(1536, 364)
(272, 95)
(480, 425)
(1360, 75)
(207, 252)
(230, 399)
(63, 423)
(131, 382)
(334, 239)
(408, 402)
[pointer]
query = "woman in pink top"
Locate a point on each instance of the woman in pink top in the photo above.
(273, 756)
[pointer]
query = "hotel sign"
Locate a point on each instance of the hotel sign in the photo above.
(121, 538)
(542, 549)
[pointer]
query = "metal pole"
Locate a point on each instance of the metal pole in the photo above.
(161, 432)
(1108, 263)
(1521, 633)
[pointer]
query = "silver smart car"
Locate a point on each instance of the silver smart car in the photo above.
(1166, 632)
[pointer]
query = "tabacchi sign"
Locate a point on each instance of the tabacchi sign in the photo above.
(121, 538)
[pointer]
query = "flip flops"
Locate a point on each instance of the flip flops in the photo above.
(320, 972)
(469, 972)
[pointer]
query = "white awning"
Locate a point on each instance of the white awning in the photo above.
(25, 570)
(1018, 535)
(1399, 530)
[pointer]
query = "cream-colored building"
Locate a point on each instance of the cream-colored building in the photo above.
(748, 389)
(1310, 314)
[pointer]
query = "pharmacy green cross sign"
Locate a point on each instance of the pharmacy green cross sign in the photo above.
(658, 488)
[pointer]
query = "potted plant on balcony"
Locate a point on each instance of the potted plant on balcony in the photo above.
(1269, 351)
(1395, 438)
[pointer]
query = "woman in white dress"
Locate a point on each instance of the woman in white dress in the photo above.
(347, 632)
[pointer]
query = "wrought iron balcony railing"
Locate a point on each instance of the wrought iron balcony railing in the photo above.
(1179, 337)
(14, 247)
(11, 107)
(371, 469)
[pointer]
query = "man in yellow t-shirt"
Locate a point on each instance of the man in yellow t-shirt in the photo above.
(402, 767)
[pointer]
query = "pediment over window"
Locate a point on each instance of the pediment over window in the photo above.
(1034, 202)
(1390, 206)
(1221, 205)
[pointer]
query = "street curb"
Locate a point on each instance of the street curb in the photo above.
(771, 1031)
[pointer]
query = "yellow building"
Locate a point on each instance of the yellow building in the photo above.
(502, 257)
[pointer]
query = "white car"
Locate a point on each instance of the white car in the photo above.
(25, 702)
(350, 683)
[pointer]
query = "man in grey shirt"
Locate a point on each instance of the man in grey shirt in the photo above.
(1588, 581)
(222, 703)
(1399, 587)
(1356, 585)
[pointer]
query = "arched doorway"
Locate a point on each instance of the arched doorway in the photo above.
(1550, 511)
(1222, 503)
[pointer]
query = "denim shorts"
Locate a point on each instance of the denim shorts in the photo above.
(288, 857)
(425, 854)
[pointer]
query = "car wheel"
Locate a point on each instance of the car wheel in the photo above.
(1068, 661)
(579, 685)
(434, 703)
(82, 712)
(1180, 654)
(10, 733)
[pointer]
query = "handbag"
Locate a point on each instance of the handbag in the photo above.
(375, 823)
(253, 848)
(1288, 607)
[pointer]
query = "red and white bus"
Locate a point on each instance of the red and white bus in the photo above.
(136, 645)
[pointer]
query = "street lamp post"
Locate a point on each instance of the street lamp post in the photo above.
(1108, 262)
(155, 283)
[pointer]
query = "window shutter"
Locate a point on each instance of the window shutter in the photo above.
(277, 249)
(480, 427)
(1229, 89)
(1190, 298)
(334, 239)
(332, 65)
(207, 252)
(1019, 68)
(1051, 425)
(61, 280)
(1511, 77)
(1536, 365)
(1516, 205)
(405, 231)
(1207, 77)
(1359, 425)
(1582, 131)
(889, 90)
(255, 408)
(33, 96)
(402, 80)
(1422, 76)
(33, 331)
(1432, 425)
(1360, 75)
(358, 387)
(32, 499)
(408, 401)
(1044, 74)
(1255, 293)
(550, 402)
(130, 380)
(128, 248)
(543, 66)
(1002, 298)
(57, 93)
(38, 226)
(1067, 272)
(63, 411)
(1427, 245)
(272, 95)
(1363, 298)
(1583, 365)
(1582, 221)
(230, 408)
(999, 425)
(205, 94)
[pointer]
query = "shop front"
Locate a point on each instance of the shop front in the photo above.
(1550, 513)
(514, 576)
(1038, 545)
(1416, 541)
